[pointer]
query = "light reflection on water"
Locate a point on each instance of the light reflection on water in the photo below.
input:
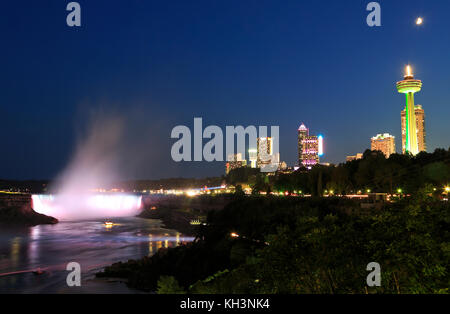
(90, 243)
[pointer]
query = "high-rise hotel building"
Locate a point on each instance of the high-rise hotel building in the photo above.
(264, 150)
(308, 148)
(384, 143)
(420, 129)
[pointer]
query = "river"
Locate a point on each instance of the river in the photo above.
(89, 243)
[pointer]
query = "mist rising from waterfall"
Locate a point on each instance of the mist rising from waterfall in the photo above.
(94, 165)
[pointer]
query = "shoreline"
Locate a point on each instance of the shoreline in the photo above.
(174, 219)
(177, 212)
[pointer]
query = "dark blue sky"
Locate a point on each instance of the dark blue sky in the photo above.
(238, 62)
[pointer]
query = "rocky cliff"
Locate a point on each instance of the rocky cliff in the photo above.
(16, 208)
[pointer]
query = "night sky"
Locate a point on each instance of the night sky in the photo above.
(158, 64)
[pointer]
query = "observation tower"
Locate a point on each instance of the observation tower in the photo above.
(409, 86)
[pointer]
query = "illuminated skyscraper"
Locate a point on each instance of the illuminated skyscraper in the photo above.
(303, 132)
(309, 147)
(420, 127)
(409, 86)
(264, 151)
(384, 143)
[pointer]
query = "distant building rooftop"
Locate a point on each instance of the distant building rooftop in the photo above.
(382, 136)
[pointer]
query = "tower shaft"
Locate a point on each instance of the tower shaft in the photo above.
(412, 145)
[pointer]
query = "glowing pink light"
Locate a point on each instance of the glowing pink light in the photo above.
(73, 207)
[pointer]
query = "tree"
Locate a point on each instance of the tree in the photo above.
(239, 191)
(169, 285)
(259, 185)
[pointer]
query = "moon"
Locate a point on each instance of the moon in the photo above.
(419, 21)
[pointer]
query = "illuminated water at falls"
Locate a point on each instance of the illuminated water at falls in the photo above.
(87, 206)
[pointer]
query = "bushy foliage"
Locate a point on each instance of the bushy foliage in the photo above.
(169, 285)
(329, 253)
(373, 172)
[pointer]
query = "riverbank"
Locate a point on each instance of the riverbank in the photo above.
(175, 219)
(182, 213)
(197, 259)
(16, 209)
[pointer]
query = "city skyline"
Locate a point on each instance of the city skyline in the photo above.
(251, 68)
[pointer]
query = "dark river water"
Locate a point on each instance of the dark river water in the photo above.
(89, 243)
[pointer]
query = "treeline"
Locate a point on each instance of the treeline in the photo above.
(48, 186)
(305, 245)
(26, 186)
(172, 183)
(373, 172)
